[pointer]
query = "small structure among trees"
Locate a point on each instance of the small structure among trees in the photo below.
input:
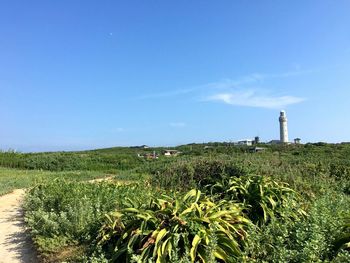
(171, 153)
(297, 140)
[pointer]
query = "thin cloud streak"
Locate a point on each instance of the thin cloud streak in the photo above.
(254, 78)
(227, 83)
(251, 99)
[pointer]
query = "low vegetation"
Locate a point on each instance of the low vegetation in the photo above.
(62, 213)
(210, 204)
(11, 179)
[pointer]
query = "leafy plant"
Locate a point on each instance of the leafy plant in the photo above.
(191, 227)
(308, 239)
(343, 241)
(262, 197)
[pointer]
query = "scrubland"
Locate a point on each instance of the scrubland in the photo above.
(210, 204)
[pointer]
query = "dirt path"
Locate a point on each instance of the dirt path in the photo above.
(15, 245)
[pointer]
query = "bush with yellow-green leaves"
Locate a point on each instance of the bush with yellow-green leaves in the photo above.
(189, 228)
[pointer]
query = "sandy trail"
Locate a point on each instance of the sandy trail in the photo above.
(15, 244)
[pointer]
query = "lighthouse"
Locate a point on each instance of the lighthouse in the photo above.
(283, 127)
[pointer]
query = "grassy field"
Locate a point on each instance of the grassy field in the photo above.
(11, 179)
(217, 204)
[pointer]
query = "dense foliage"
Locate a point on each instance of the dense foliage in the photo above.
(61, 212)
(195, 172)
(313, 239)
(69, 161)
(263, 198)
(190, 228)
(286, 204)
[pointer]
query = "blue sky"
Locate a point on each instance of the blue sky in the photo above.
(89, 74)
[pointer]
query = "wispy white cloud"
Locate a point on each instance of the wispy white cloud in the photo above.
(252, 99)
(177, 124)
(254, 78)
(228, 84)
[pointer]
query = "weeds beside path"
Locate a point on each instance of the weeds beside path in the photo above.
(15, 242)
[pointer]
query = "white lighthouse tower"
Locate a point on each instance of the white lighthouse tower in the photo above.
(283, 127)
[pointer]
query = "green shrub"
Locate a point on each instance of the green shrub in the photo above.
(73, 211)
(185, 174)
(188, 229)
(262, 197)
(343, 240)
(306, 240)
